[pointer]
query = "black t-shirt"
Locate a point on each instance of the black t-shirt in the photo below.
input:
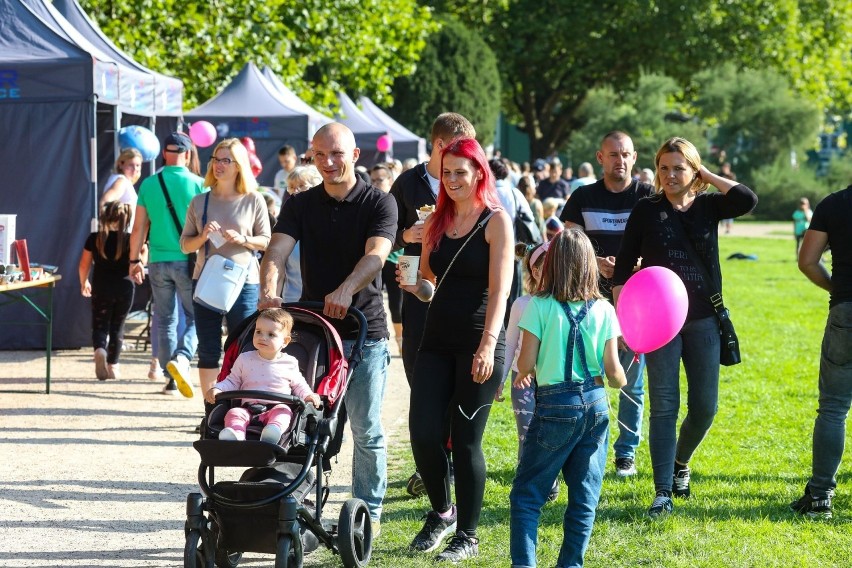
(832, 216)
(651, 235)
(546, 188)
(108, 270)
(332, 236)
(603, 215)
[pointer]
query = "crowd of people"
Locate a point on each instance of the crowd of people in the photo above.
(484, 307)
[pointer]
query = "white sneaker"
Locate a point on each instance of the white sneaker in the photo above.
(271, 434)
(178, 368)
(229, 434)
(101, 371)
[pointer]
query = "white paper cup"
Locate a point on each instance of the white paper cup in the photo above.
(408, 266)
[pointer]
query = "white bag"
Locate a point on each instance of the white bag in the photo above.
(220, 283)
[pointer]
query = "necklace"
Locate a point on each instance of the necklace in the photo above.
(464, 220)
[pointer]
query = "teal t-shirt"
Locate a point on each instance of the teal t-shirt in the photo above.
(164, 239)
(544, 318)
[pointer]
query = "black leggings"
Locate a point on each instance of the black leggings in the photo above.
(443, 383)
(394, 293)
(109, 312)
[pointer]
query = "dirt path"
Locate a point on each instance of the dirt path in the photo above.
(97, 473)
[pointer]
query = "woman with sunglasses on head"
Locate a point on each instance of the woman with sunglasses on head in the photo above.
(236, 227)
(656, 230)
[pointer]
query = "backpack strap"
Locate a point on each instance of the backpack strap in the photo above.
(575, 340)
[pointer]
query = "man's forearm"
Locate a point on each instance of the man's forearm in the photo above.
(818, 274)
(363, 273)
(271, 279)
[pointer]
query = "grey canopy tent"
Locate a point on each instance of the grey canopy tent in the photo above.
(366, 130)
(152, 100)
(51, 90)
(406, 144)
(251, 106)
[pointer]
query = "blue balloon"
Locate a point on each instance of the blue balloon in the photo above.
(140, 138)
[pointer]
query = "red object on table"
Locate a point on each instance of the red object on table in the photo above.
(23, 257)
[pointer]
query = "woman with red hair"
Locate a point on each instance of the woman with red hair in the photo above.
(466, 272)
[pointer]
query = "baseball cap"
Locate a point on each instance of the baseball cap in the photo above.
(178, 139)
(539, 165)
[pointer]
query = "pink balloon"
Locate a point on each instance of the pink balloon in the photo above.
(384, 143)
(256, 164)
(202, 133)
(248, 142)
(651, 308)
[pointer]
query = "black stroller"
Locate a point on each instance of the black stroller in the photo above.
(271, 509)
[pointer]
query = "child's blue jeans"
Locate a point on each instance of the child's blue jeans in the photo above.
(568, 432)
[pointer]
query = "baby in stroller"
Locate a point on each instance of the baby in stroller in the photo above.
(267, 368)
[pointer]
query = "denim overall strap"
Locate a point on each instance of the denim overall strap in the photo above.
(575, 341)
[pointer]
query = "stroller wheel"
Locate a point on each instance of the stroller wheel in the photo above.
(225, 559)
(286, 556)
(193, 552)
(355, 534)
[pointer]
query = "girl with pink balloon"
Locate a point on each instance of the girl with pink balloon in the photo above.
(669, 288)
(570, 342)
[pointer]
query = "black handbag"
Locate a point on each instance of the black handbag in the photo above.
(729, 348)
(526, 229)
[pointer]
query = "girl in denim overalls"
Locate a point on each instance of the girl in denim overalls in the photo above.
(570, 336)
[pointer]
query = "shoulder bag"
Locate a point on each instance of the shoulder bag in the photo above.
(171, 206)
(526, 229)
(729, 350)
(221, 279)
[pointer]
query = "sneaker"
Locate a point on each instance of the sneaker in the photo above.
(376, 527)
(101, 371)
(415, 486)
(113, 371)
(554, 491)
(155, 373)
(229, 434)
(661, 506)
(170, 388)
(680, 482)
(461, 547)
(271, 434)
(178, 368)
(812, 507)
(625, 467)
(434, 531)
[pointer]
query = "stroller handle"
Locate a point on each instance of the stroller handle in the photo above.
(351, 312)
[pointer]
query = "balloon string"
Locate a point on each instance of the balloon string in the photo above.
(612, 413)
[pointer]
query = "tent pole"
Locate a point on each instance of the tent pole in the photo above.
(93, 155)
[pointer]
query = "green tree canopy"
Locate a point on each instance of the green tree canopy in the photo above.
(316, 46)
(457, 72)
(552, 52)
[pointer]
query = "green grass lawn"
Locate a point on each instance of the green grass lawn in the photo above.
(754, 462)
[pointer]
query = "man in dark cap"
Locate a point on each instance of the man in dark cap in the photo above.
(160, 212)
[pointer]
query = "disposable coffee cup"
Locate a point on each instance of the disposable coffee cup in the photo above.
(408, 266)
(216, 239)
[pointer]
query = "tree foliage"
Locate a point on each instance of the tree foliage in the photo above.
(552, 53)
(457, 72)
(317, 47)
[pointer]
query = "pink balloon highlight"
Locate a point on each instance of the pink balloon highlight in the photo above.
(651, 308)
(202, 133)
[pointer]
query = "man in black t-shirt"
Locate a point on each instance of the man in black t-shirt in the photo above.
(601, 210)
(345, 228)
(830, 227)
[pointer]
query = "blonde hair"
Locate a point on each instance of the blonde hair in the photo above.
(570, 268)
(690, 153)
(125, 156)
(307, 174)
(113, 214)
(245, 181)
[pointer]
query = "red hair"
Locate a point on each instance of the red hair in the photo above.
(484, 194)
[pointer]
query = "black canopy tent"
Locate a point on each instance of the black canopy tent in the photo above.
(251, 106)
(366, 130)
(406, 144)
(51, 89)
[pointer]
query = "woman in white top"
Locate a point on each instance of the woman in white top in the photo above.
(119, 186)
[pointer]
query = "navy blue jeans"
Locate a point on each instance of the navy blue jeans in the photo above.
(835, 397)
(568, 433)
(697, 345)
